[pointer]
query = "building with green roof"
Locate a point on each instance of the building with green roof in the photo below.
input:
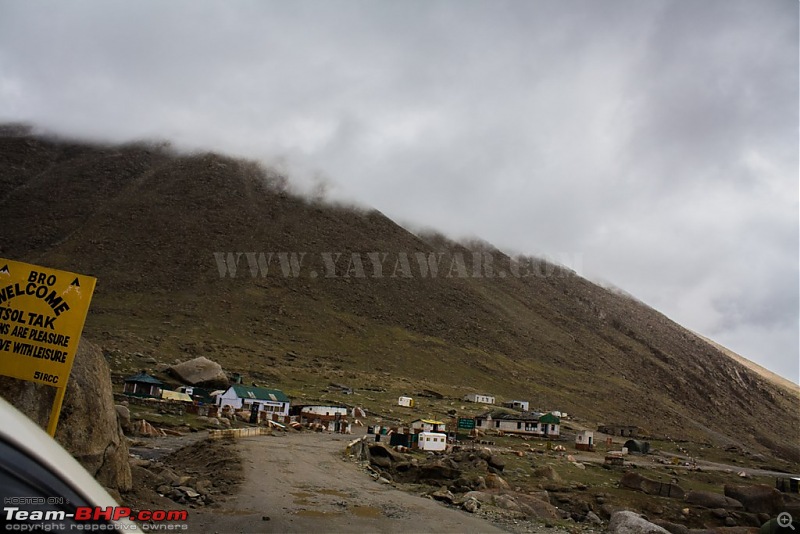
(241, 397)
(142, 385)
(546, 425)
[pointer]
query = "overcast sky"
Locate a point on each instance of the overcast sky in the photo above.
(652, 145)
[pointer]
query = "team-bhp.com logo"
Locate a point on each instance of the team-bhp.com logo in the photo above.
(93, 518)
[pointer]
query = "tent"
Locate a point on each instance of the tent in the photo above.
(635, 445)
(175, 395)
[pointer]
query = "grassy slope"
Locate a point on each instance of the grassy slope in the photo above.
(147, 223)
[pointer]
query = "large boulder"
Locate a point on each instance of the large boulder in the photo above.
(626, 522)
(88, 427)
(636, 481)
(494, 481)
(674, 528)
(124, 416)
(438, 471)
(756, 498)
(200, 372)
(497, 462)
(383, 456)
(547, 472)
(709, 499)
(536, 507)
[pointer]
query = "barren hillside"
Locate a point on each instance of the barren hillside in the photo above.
(156, 228)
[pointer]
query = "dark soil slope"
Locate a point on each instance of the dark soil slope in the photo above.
(158, 229)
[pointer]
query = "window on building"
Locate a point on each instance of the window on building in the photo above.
(497, 424)
(519, 425)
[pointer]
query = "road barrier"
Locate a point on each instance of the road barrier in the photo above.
(233, 433)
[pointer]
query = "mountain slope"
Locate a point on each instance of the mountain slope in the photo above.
(158, 229)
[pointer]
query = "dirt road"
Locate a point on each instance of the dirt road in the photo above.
(299, 482)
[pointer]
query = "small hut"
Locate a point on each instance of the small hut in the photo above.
(142, 385)
(584, 440)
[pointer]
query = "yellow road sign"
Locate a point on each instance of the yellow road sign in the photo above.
(42, 312)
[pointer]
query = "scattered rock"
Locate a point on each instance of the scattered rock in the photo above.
(140, 462)
(497, 462)
(124, 416)
(608, 510)
(143, 428)
(494, 481)
(674, 528)
(480, 496)
(167, 476)
(506, 502)
(471, 505)
(626, 522)
(593, 518)
(547, 472)
(437, 471)
(443, 495)
(189, 492)
(536, 507)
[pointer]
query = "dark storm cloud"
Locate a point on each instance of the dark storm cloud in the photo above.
(651, 144)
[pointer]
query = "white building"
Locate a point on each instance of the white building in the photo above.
(477, 397)
(517, 405)
(428, 425)
(241, 397)
(405, 401)
(528, 423)
(584, 440)
(432, 441)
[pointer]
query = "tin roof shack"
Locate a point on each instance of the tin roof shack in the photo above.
(522, 406)
(319, 413)
(525, 423)
(240, 397)
(142, 385)
(584, 440)
(480, 398)
(432, 441)
(427, 425)
(330, 417)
